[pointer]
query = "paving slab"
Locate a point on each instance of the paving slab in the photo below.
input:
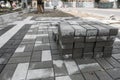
(59, 68)
(90, 76)
(77, 77)
(102, 75)
(40, 65)
(40, 73)
(88, 65)
(114, 73)
(71, 66)
(33, 45)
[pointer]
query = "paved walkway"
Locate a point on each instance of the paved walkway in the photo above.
(49, 13)
(96, 11)
(28, 52)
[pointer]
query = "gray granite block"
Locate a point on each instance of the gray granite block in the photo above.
(101, 38)
(91, 31)
(66, 45)
(112, 30)
(90, 76)
(98, 49)
(79, 39)
(100, 44)
(107, 51)
(89, 44)
(90, 39)
(104, 63)
(77, 53)
(79, 45)
(87, 49)
(88, 55)
(101, 30)
(108, 48)
(102, 75)
(66, 51)
(111, 38)
(79, 30)
(114, 73)
(66, 40)
(109, 43)
(98, 54)
(65, 29)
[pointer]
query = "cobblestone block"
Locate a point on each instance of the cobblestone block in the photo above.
(77, 53)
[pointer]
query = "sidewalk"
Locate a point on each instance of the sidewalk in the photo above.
(28, 52)
(95, 11)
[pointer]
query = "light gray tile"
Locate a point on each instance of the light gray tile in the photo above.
(21, 71)
(40, 73)
(46, 55)
(63, 78)
(59, 68)
(71, 66)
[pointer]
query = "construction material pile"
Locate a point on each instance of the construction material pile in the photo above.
(86, 39)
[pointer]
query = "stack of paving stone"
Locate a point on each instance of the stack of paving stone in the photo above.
(86, 40)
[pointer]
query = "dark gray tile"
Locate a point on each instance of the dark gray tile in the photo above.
(113, 62)
(57, 57)
(41, 65)
(19, 60)
(77, 77)
(29, 48)
(88, 65)
(116, 56)
(6, 74)
(1, 67)
(104, 63)
(102, 75)
(55, 52)
(114, 73)
(59, 68)
(10, 66)
(90, 76)
(22, 54)
(36, 56)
